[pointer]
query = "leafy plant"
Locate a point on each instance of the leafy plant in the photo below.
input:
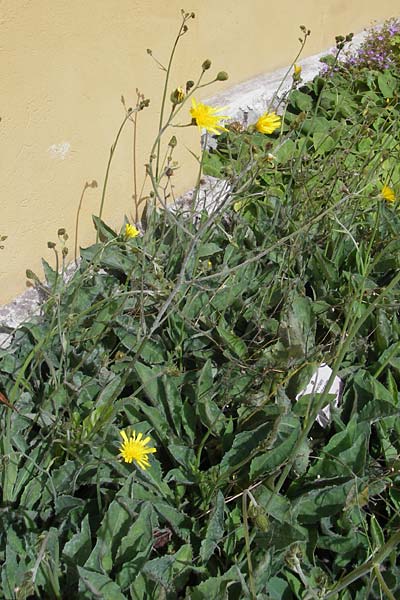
(201, 332)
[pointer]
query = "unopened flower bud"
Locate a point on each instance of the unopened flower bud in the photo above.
(64, 251)
(189, 85)
(206, 65)
(144, 103)
(177, 96)
(297, 70)
(51, 245)
(172, 142)
(222, 76)
(61, 231)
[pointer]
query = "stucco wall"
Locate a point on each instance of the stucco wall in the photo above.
(64, 65)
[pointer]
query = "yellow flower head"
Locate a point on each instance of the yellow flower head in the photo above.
(268, 122)
(297, 70)
(131, 231)
(134, 448)
(388, 194)
(206, 118)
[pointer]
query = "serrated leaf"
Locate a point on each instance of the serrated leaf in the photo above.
(242, 447)
(215, 529)
(112, 529)
(232, 341)
(93, 584)
(135, 547)
(78, 548)
(166, 569)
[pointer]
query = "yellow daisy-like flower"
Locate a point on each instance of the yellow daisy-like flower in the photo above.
(131, 231)
(388, 194)
(206, 118)
(134, 448)
(268, 122)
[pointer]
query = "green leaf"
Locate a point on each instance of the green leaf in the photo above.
(378, 539)
(286, 151)
(286, 437)
(106, 234)
(243, 446)
(212, 164)
(93, 584)
(215, 529)
(135, 547)
(215, 588)
(323, 143)
(168, 570)
(233, 342)
(387, 84)
(97, 418)
(112, 529)
(209, 412)
(345, 454)
(303, 102)
(78, 549)
(208, 249)
(312, 506)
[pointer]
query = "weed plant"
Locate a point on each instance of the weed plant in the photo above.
(200, 333)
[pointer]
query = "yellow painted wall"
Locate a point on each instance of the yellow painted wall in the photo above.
(64, 65)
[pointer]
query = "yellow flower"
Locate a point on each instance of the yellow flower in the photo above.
(206, 118)
(388, 194)
(131, 231)
(297, 70)
(268, 122)
(134, 448)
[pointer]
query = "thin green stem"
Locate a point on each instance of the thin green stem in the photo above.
(248, 549)
(382, 583)
(85, 187)
(107, 174)
(165, 90)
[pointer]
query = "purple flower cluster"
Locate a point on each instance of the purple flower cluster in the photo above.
(378, 51)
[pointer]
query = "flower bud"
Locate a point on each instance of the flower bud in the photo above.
(297, 70)
(51, 245)
(173, 142)
(222, 76)
(177, 96)
(61, 231)
(144, 103)
(206, 65)
(189, 85)
(64, 251)
(260, 517)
